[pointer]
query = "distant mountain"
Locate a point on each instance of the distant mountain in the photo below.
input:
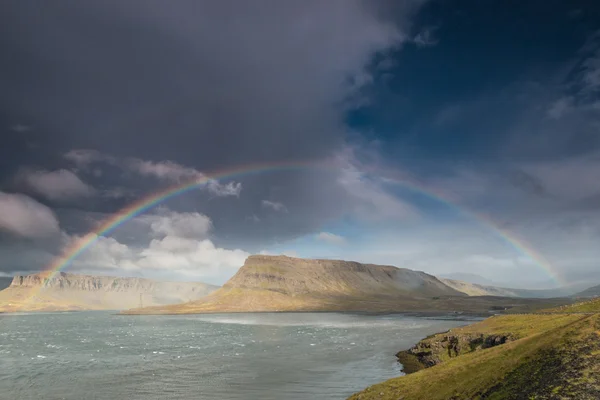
(471, 278)
(589, 292)
(65, 291)
(473, 289)
(280, 283)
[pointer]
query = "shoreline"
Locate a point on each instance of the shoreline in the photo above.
(534, 355)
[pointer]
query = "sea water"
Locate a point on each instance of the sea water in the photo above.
(100, 355)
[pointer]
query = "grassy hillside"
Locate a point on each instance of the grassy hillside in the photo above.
(588, 306)
(548, 357)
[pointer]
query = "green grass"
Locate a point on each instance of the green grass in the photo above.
(554, 355)
(517, 325)
(589, 306)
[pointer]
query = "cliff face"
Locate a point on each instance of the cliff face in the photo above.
(280, 283)
(65, 291)
(67, 281)
(296, 276)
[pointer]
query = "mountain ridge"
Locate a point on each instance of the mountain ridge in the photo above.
(281, 283)
(593, 291)
(474, 289)
(67, 291)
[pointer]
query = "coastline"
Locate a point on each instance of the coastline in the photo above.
(528, 355)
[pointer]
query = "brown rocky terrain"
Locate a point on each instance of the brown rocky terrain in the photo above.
(280, 283)
(66, 291)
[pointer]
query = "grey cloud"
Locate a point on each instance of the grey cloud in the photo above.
(23, 216)
(330, 238)
(165, 171)
(273, 205)
(426, 38)
(55, 185)
(194, 87)
(185, 225)
(251, 77)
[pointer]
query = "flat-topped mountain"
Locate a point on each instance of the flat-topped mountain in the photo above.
(281, 283)
(297, 276)
(66, 291)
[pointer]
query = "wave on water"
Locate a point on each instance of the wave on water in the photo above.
(329, 320)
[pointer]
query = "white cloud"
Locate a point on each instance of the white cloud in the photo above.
(591, 72)
(55, 185)
(426, 38)
(331, 238)
(20, 128)
(173, 256)
(26, 217)
(254, 218)
(560, 107)
(191, 257)
(274, 205)
(185, 225)
(106, 253)
(573, 178)
(84, 157)
(165, 171)
(172, 172)
(373, 201)
(289, 253)
(228, 189)
(181, 249)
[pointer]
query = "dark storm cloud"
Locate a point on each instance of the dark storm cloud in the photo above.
(201, 85)
(205, 83)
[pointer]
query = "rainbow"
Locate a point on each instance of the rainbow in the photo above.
(508, 237)
(142, 205)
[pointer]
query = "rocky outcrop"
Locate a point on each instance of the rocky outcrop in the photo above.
(440, 347)
(66, 291)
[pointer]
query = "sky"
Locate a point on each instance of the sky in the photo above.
(444, 136)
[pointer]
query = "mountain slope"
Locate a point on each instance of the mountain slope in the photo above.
(589, 292)
(589, 306)
(474, 289)
(66, 291)
(280, 283)
(537, 357)
(468, 277)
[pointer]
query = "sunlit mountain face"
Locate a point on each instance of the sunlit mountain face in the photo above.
(171, 141)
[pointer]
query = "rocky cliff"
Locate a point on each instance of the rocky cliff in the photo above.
(297, 276)
(65, 291)
(280, 283)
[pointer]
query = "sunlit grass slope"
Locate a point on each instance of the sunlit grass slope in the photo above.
(547, 357)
